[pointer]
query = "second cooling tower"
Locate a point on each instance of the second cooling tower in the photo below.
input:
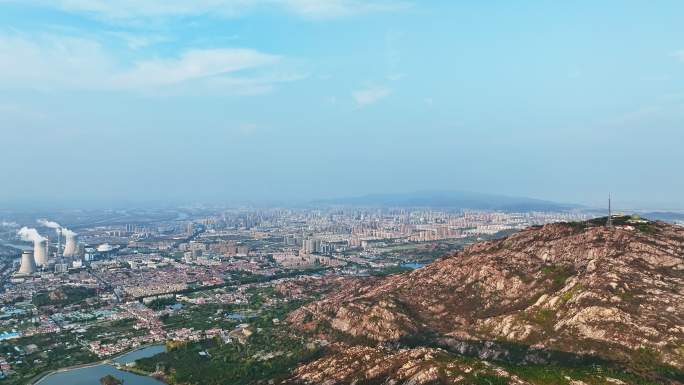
(70, 246)
(40, 253)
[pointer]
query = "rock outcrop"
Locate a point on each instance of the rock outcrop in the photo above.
(362, 364)
(577, 288)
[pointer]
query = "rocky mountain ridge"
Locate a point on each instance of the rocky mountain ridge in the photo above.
(566, 292)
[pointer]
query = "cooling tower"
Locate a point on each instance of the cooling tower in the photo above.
(40, 252)
(28, 264)
(70, 246)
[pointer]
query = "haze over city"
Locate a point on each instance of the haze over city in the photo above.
(341, 192)
(111, 103)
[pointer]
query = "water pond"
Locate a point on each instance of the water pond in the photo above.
(91, 375)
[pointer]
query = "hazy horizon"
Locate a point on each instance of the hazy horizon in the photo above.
(108, 103)
(56, 206)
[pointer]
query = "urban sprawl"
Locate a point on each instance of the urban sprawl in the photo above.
(94, 291)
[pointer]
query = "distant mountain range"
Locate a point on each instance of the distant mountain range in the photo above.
(449, 199)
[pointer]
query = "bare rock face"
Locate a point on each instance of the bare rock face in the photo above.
(580, 288)
(362, 364)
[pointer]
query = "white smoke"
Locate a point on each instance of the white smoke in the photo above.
(58, 228)
(8, 224)
(51, 224)
(67, 233)
(29, 234)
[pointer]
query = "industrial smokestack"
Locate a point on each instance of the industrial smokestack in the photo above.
(71, 243)
(28, 264)
(58, 229)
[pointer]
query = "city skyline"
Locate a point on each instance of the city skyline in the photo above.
(112, 103)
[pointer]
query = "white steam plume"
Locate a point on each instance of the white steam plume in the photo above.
(50, 224)
(58, 228)
(66, 232)
(29, 234)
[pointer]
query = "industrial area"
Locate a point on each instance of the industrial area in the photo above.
(65, 252)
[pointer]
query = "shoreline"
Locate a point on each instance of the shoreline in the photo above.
(108, 361)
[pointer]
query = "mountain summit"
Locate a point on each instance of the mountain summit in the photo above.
(562, 294)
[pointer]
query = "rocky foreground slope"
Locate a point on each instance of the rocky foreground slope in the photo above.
(559, 294)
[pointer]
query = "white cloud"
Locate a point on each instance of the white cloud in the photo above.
(338, 8)
(195, 64)
(50, 61)
(679, 55)
(135, 9)
(370, 95)
(137, 41)
(59, 62)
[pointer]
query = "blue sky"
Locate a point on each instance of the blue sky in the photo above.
(106, 101)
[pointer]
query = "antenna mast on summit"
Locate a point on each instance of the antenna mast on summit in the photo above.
(609, 222)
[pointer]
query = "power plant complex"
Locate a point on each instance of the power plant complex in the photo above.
(39, 258)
